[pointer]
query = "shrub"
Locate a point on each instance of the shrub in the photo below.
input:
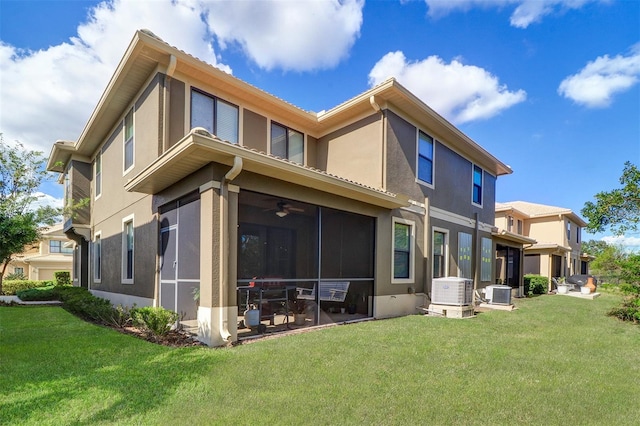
(62, 277)
(81, 302)
(155, 320)
(629, 310)
(11, 287)
(15, 276)
(39, 293)
(630, 288)
(535, 284)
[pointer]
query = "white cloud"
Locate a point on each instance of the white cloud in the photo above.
(596, 83)
(459, 92)
(526, 12)
(46, 200)
(292, 35)
(49, 94)
(630, 243)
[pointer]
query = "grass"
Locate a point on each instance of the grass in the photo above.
(555, 360)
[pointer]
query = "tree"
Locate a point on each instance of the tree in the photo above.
(594, 247)
(619, 209)
(21, 173)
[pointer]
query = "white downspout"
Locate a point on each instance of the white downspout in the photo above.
(224, 245)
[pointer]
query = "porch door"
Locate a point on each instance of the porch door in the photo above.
(180, 257)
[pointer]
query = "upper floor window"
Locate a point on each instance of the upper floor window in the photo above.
(477, 185)
(98, 174)
(58, 247)
(425, 158)
(128, 140)
(568, 231)
(67, 188)
(220, 118)
(287, 143)
(509, 223)
(519, 227)
(578, 232)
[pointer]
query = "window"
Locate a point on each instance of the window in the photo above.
(18, 271)
(67, 189)
(58, 247)
(128, 141)
(97, 257)
(509, 223)
(519, 227)
(487, 257)
(98, 174)
(403, 240)
(568, 231)
(464, 255)
(578, 232)
(220, 118)
(127, 250)
(425, 158)
(440, 248)
(287, 143)
(477, 185)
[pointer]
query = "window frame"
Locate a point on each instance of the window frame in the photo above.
(432, 159)
(58, 250)
(215, 100)
(97, 175)
(287, 131)
(18, 270)
(125, 246)
(445, 251)
(474, 185)
(486, 260)
(411, 250)
(126, 141)
(461, 255)
(96, 260)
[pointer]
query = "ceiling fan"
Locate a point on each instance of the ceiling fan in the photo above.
(283, 208)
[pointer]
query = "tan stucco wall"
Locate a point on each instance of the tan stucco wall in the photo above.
(355, 152)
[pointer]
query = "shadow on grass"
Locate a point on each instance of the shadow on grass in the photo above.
(60, 367)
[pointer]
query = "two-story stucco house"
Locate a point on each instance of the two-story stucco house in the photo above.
(215, 199)
(557, 251)
(42, 260)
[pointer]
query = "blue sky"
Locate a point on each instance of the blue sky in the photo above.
(550, 87)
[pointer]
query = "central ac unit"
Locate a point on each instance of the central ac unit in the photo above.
(498, 294)
(452, 291)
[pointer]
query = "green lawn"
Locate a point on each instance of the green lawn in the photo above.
(555, 360)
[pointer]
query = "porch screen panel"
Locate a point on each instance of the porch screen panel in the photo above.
(189, 239)
(464, 255)
(347, 245)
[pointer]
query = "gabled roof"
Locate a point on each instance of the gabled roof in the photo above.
(148, 54)
(533, 210)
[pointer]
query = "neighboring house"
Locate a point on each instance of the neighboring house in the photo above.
(203, 184)
(558, 232)
(40, 261)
